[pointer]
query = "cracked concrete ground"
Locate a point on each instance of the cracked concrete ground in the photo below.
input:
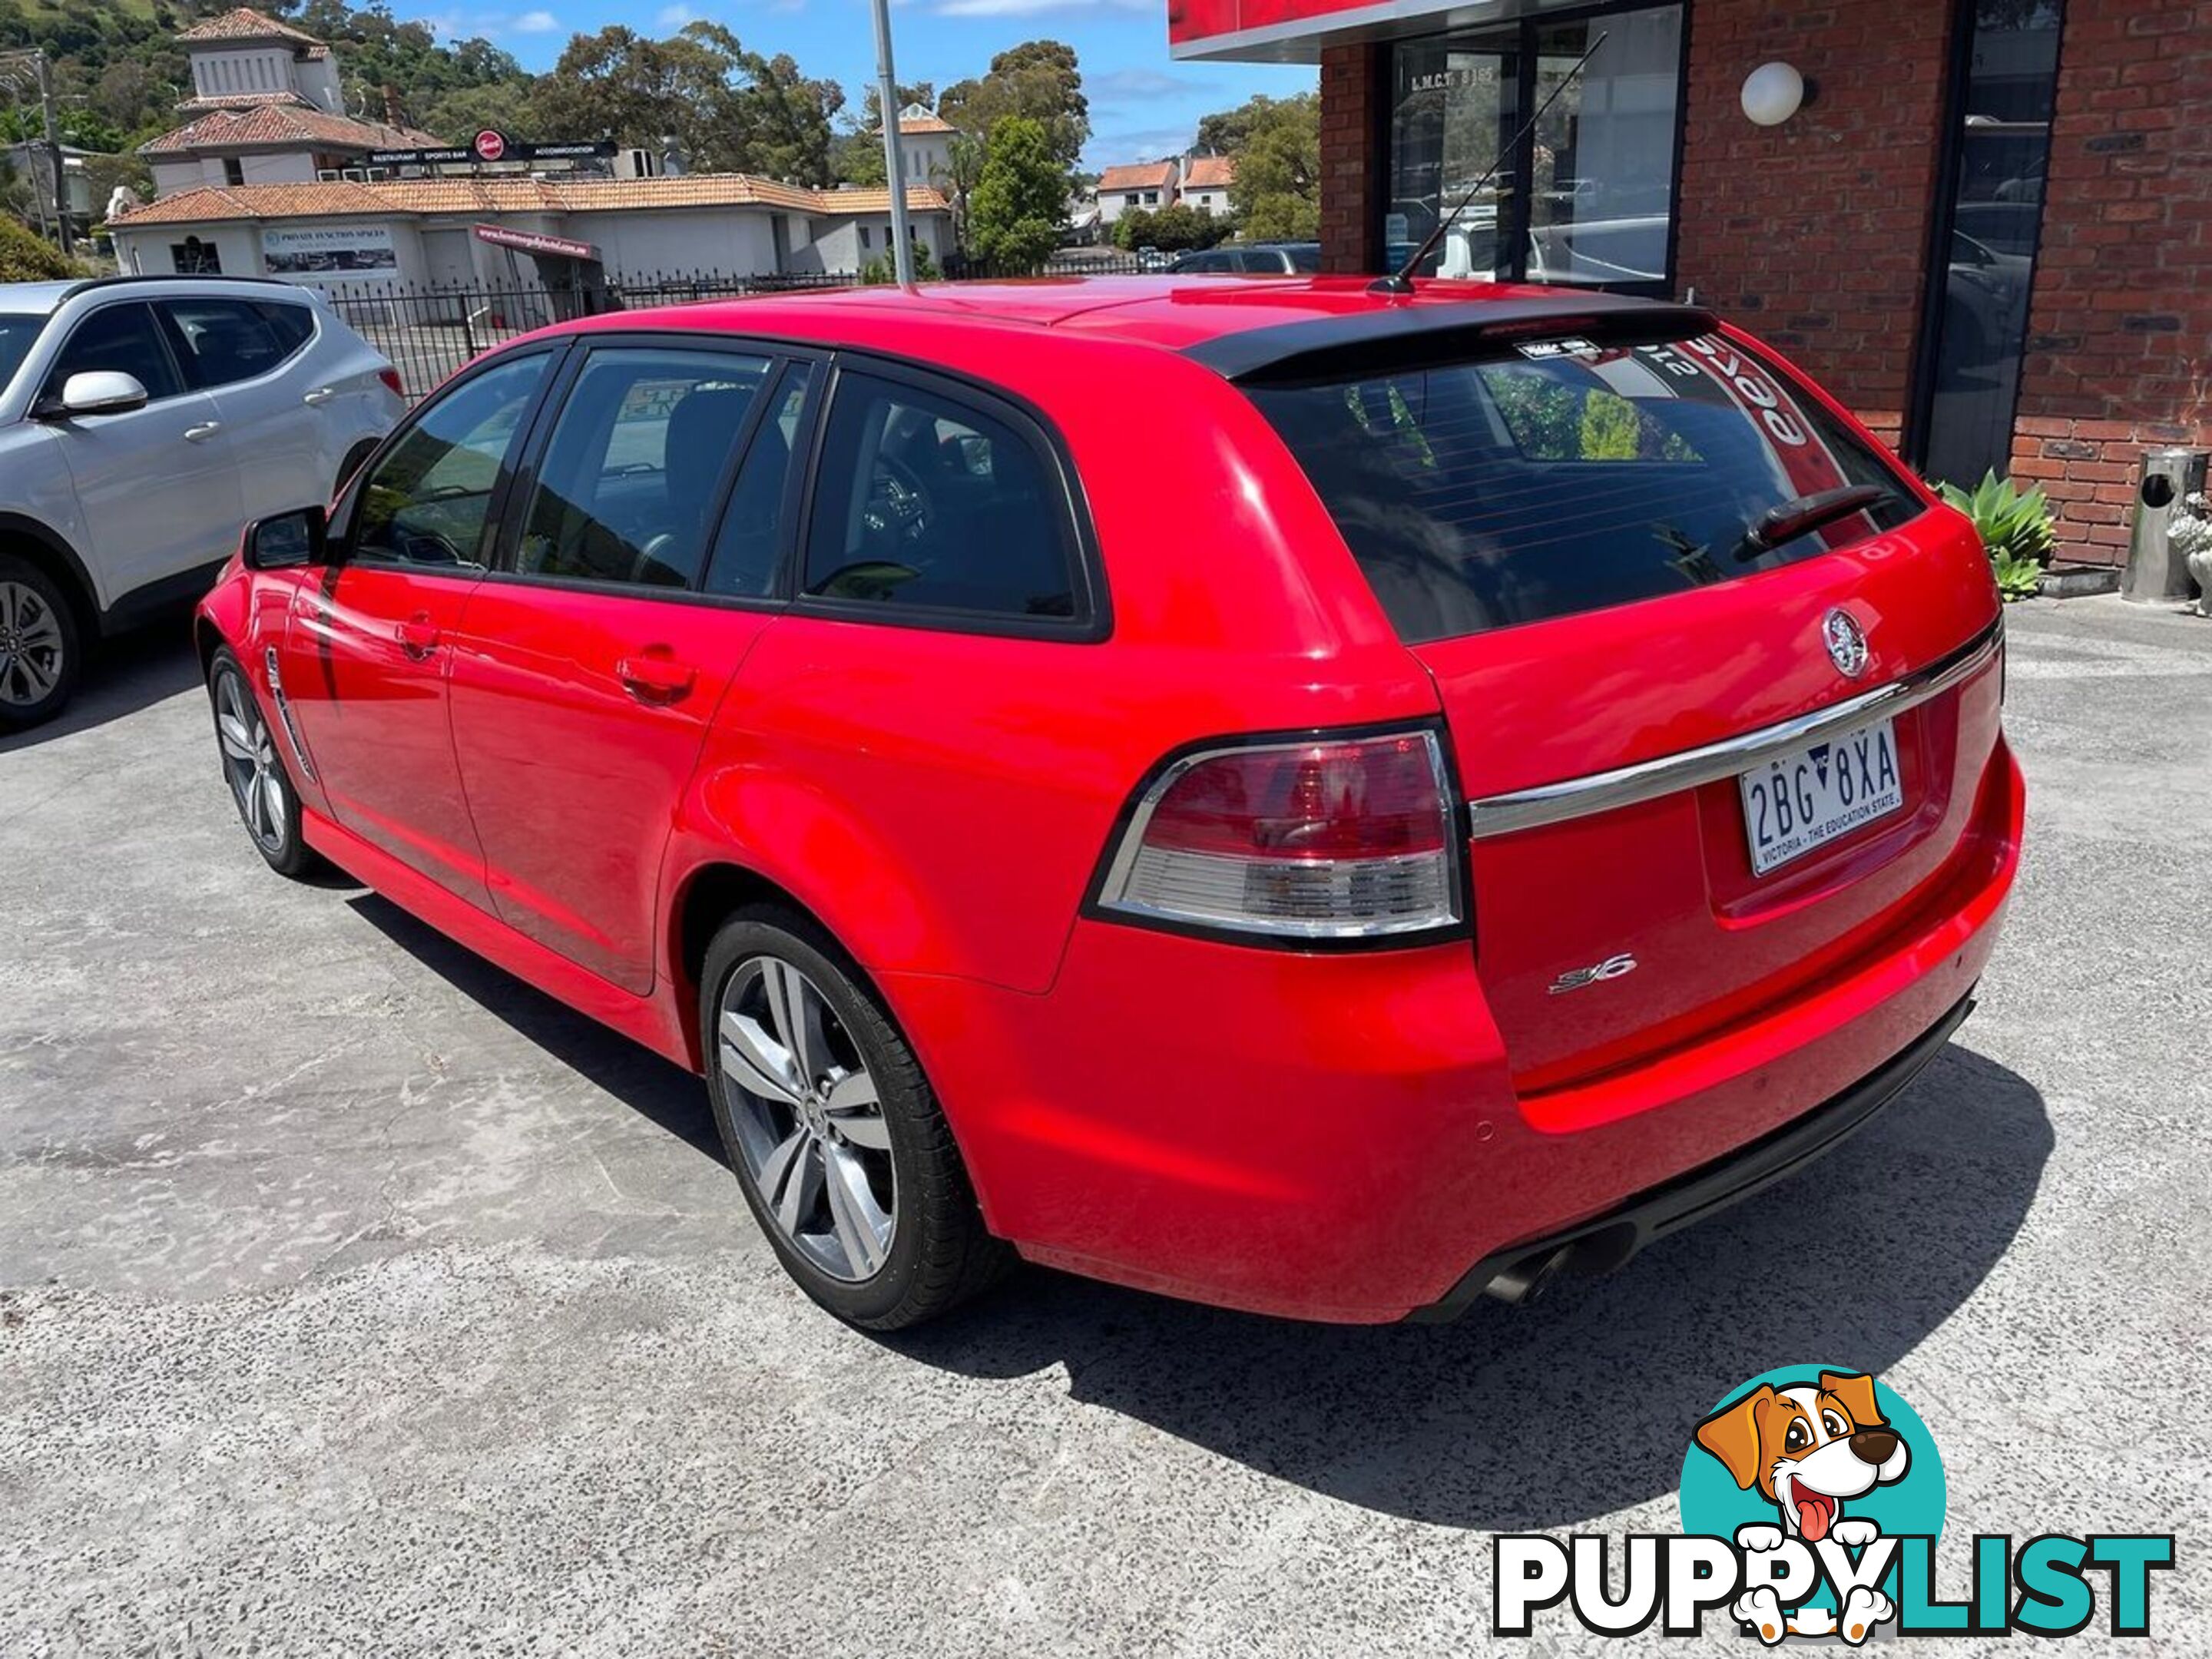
(356, 1298)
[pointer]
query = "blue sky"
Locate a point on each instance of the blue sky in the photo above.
(1142, 103)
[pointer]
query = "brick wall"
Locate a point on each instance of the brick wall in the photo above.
(1812, 234)
(1350, 215)
(2120, 328)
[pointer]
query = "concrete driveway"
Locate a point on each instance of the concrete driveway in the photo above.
(356, 1298)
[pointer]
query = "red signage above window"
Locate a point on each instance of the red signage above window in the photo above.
(1275, 29)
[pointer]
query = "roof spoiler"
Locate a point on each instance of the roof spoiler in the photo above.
(1385, 341)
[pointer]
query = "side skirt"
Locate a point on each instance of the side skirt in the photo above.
(642, 1019)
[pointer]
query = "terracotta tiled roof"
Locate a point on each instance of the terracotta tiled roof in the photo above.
(201, 105)
(1210, 172)
(924, 122)
(262, 125)
(1145, 175)
(342, 199)
(244, 23)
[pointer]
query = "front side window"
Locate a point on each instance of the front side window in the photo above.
(1587, 197)
(1564, 477)
(426, 500)
(18, 334)
(924, 500)
(631, 478)
(122, 340)
(225, 341)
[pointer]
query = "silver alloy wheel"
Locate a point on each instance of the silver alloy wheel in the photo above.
(250, 765)
(809, 1121)
(31, 645)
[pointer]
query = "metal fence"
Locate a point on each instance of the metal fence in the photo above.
(429, 329)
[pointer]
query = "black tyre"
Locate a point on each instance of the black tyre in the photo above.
(253, 767)
(40, 652)
(836, 1137)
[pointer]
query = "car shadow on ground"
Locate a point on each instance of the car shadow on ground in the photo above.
(123, 674)
(1514, 1419)
(1517, 1418)
(663, 1093)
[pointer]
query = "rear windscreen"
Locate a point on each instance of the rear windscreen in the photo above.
(1563, 476)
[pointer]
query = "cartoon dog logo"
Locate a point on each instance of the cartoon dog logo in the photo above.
(1808, 1450)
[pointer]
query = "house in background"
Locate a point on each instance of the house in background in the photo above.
(511, 231)
(266, 108)
(925, 145)
(1147, 186)
(1205, 181)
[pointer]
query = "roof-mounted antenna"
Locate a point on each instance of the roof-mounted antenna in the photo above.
(1401, 281)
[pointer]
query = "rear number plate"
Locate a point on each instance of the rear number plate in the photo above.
(1819, 793)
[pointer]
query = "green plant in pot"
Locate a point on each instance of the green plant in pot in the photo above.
(2016, 531)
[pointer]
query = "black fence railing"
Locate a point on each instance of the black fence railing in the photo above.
(429, 329)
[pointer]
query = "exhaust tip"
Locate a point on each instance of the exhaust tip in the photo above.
(1526, 1280)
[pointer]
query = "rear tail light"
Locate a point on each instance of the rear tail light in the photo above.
(1328, 839)
(389, 376)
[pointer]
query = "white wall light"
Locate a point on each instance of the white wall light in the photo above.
(1773, 93)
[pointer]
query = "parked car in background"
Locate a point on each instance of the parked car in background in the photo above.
(143, 421)
(1151, 259)
(1254, 259)
(1544, 782)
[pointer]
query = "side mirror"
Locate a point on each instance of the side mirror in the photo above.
(96, 391)
(286, 541)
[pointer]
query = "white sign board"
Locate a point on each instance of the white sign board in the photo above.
(330, 252)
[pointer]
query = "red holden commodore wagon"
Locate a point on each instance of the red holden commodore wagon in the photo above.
(1321, 801)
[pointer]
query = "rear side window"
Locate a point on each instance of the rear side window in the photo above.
(293, 325)
(225, 341)
(926, 502)
(1564, 477)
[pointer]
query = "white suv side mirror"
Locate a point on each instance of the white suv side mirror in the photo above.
(100, 392)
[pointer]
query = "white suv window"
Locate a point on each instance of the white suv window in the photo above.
(124, 338)
(225, 341)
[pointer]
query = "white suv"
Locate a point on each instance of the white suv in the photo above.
(143, 420)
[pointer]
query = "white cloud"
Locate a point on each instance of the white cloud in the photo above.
(536, 22)
(674, 17)
(1035, 8)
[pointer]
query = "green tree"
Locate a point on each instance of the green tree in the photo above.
(1134, 230)
(1227, 132)
(28, 257)
(781, 120)
(878, 269)
(1019, 205)
(1277, 189)
(1038, 81)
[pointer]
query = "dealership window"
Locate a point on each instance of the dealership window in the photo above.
(864, 239)
(234, 170)
(1587, 197)
(1978, 288)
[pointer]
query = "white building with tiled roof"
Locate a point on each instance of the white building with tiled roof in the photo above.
(925, 145)
(265, 108)
(1146, 186)
(490, 230)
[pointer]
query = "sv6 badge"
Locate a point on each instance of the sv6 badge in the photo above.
(1612, 968)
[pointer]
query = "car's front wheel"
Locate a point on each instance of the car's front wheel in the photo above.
(38, 645)
(843, 1154)
(260, 788)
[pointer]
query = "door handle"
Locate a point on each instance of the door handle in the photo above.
(654, 676)
(417, 635)
(203, 432)
(320, 396)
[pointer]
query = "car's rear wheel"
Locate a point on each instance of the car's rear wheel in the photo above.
(837, 1140)
(38, 645)
(260, 788)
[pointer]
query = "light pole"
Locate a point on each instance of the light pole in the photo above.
(36, 58)
(893, 170)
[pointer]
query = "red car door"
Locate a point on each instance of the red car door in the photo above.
(585, 673)
(365, 656)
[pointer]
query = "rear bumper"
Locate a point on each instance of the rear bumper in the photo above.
(1521, 1273)
(1337, 1137)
